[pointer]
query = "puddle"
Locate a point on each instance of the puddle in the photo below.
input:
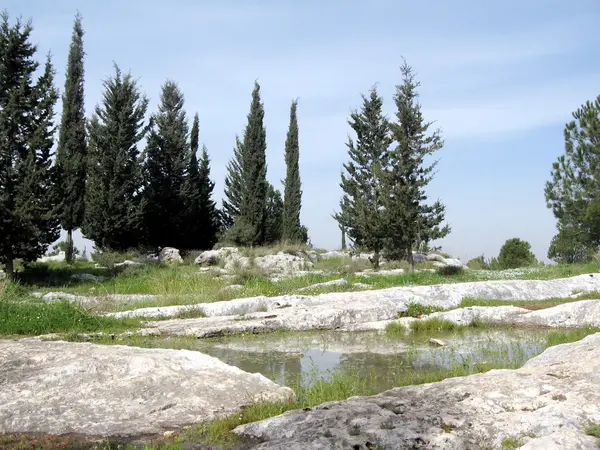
(289, 358)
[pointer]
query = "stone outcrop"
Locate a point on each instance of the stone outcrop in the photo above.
(170, 255)
(543, 405)
(60, 256)
(62, 387)
(231, 258)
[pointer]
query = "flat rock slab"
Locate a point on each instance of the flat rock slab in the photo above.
(441, 295)
(543, 405)
(62, 387)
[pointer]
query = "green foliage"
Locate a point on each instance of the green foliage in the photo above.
(200, 218)
(592, 428)
(63, 246)
(165, 167)
(71, 154)
(511, 443)
(557, 337)
(292, 203)
(113, 203)
(410, 220)
(570, 246)
(274, 216)
(28, 222)
(362, 214)
(254, 171)
(478, 263)
(573, 194)
(233, 186)
(417, 309)
(516, 253)
(448, 271)
(436, 325)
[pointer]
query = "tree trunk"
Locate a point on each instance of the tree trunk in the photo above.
(376, 259)
(69, 252)
(9, 266)
(410, 259)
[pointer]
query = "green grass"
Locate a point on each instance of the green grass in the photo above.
(566, 336)
(592, 428)
(511, 443)
(416, 310)
(395, 329)
(436, 324)
(20, 315)
(528, 304)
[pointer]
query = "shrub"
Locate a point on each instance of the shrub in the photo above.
(450, 270)
(516, 253)
(478, 263)
(567, 247)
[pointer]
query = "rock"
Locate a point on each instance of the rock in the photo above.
(2, 275)
(54, 258)
(208, 258)
(550, 398)
(233, 287)
(395, 299)
(282, 262)
(437, 342)
(419, 257)
(363, 286)
(340, 282)
(88, 277)
(334, 254)
(384, 273)
(128, 263)
(170, 255)
(105, 390)
(95, 300)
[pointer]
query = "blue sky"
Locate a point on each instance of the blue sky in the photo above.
(499, 78)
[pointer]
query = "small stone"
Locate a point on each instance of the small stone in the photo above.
(437, 342)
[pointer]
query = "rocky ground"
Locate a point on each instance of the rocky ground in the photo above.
(544, 405)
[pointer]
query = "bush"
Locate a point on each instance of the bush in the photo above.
(450, 270)
(478, 263)
(516, 253)
(568, 248)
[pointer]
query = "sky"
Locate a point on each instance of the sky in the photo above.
(500, 80)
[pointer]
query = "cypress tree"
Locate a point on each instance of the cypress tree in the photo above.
(166, 162)
(409, 219)
(28, 223)
(201, 216)
(274, 216)
(362, 214)
(291, 228)
(573, 193)
(233, 186)
(72, 146)
(114, 202)
(250, 226)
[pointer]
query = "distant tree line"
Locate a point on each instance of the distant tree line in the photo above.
(120, 195)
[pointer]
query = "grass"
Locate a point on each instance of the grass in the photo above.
(511, 443)
(436, 324)
(592, 428)
(417, 309)
(20, 315)
(528, 304)
(566, 336)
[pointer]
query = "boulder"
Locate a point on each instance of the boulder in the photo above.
(340, 282)
(170, 255)
(543, 405)
(128, 263)
(88, 277)
(105, 390)
(2, 275)
(283, 262)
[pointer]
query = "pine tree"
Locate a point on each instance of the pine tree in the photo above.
(362, 213)
(250, 225)
(409, 219)
(573, 194)
(274, 216)
(292, 192)
(28, 223)
(233, 186)
(114, 202)
(71, 156)
(166, 162)
(201, 216)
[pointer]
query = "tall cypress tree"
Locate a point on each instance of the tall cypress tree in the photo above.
(114, 202)
(362, 213)
(28, 222)
(274, 216)
(233, 186)
(410, 220)
(167, 151)
(201, 216)
(292, 200)
(250, 225)
(71, 156)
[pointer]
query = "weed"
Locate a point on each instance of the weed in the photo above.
(592, 428)
(449, 271)
(395, 328)
(417, 309)
(557, 337)
(511, 443)
(436, 324)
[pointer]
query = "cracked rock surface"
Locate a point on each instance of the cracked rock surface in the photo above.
(543, 405)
